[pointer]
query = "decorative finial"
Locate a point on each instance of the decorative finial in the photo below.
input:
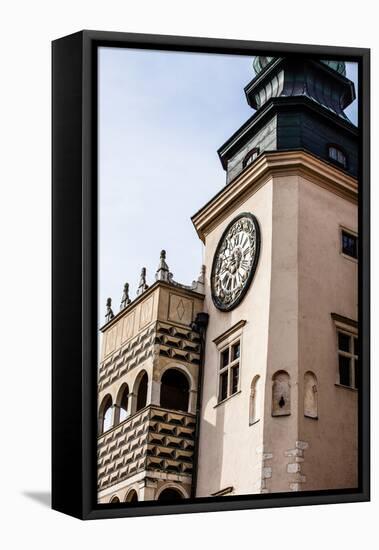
(125, 300)
(201, 278)
(142, 282)
(198, 285)
(109, 315)
(163, 271)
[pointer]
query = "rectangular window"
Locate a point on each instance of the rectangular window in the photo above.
(235, 376)
(348, 359)
(349, 244)
(223, 385)
(337, 155)
(229, 370)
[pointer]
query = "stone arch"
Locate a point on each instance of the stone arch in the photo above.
(184, 369)
(310, 395)
(106, 414)
(175, 389)
(140, 388)
(131, 495)
(115, 499)
(281, 394)
(163, 493)
(122, 404)
(255, 400)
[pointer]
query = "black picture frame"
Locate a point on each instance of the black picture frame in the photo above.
(74, 272)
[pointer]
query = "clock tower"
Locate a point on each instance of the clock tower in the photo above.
(281, 376)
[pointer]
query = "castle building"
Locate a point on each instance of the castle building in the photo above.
(247, 381)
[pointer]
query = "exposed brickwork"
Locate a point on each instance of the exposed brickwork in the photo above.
(265, 469)
(294, 465)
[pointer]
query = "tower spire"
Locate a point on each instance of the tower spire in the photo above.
(125, 300)
(109, 314)
(163, 271)
(142, 282)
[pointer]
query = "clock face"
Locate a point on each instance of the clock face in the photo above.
(235, 261)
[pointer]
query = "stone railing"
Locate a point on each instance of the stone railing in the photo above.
(154, 439)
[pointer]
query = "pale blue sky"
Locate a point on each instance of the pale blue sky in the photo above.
(162, 117)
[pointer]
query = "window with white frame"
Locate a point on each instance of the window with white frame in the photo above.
(229, 371)
(348, 362)
(229, 349)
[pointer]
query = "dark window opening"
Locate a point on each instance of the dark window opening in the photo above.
(344, 341)
(124, 404)
(338, 156)
(344, 368)
(171, 495)
(132, 496)
(224, 386)
(235, 375)
(142, 393)
(236, 351)
(348, 361)
(349, 244)
(250, 157)
(224, 358)
(174, 390)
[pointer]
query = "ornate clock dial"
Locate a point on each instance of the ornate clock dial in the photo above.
(235, 261)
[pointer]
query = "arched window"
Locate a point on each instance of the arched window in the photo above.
(174, 390)
(310, 395)
(337, 155)
(170, 495)
(250, 157)
(255, 405)
(114, 500)
(281, 394)
(105, 414)
(132, 496)
(122, 403)
(142, 392)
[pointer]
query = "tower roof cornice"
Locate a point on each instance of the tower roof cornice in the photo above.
(267, 166)
(278, 104)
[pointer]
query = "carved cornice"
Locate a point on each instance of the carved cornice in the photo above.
(337, 318)
(229, 332)
(267, 166)
(180, 289)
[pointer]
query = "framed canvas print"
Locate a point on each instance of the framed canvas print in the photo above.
(210, 275)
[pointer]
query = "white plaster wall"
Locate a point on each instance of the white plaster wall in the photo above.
(301, 279)
(327, 283)
(228, 445)
(280, 432)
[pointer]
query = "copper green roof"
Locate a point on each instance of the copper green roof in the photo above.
(260, 62)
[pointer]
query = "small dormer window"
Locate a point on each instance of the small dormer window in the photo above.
(250, 157)
(337, 155)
